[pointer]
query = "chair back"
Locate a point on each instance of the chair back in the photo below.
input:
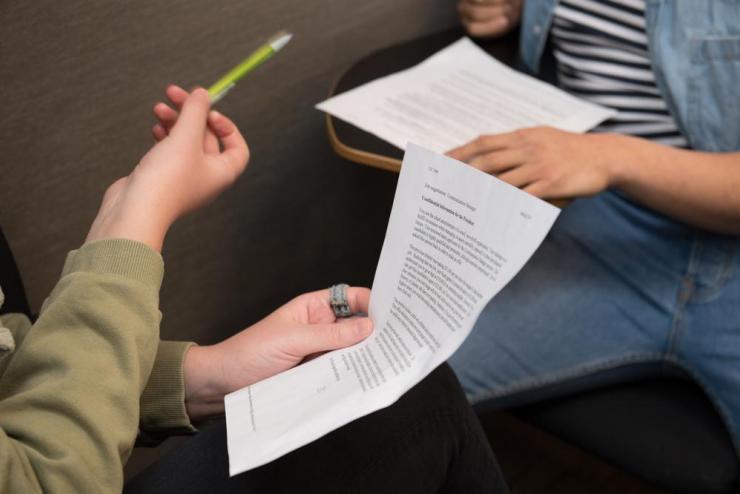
(11, 282)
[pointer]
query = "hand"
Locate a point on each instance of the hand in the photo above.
(489, 18)
(185, 170)
(301, 328)
(546, 162)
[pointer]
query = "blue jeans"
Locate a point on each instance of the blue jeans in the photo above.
(614, 290)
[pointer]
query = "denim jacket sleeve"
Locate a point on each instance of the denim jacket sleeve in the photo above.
(695, 51)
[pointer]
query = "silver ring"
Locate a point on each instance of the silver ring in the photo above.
(338, 300)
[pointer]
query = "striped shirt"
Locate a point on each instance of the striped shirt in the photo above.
(602, 56)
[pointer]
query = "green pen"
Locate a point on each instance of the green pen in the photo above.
(222, 86)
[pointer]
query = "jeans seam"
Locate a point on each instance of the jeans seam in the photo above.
(685, 292)
(684, 295)
(700, 296)
(579, 371)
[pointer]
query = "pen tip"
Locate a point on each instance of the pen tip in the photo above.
(280, 39)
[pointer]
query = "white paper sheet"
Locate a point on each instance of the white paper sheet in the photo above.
(455, 237)
(456, 95)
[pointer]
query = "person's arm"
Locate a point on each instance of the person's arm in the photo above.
(66, 424)
(69, 397)
(162, 409)
(698, 188)
(300, 329)
(188, 382)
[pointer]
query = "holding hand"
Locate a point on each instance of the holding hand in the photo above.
(185, 170)
(301, 328)
(546, 162)
(489, 18)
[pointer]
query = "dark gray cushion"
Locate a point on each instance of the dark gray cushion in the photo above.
(664, 430)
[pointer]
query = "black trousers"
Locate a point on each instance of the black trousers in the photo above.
(430, 441)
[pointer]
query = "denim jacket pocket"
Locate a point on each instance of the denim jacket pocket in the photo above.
(713, 98)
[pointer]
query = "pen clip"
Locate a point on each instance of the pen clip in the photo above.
(222, 93)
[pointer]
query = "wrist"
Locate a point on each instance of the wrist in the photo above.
(610, 150)
(118, 222)
(203, 375)
(129, 211)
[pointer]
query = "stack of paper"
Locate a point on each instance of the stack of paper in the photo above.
(457, 95)
(455, 238)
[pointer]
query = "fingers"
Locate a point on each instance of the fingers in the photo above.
(210, 141)
(478, 11)
(467, 151)
(487, 2)
(482, 145)
(165, 114)
(166, 117)
(538, 189)
(499, 161)
(159, 132)
(491, 27)
(519, 176)
(191, 123)
(324, 337)
(176, 95)
(236, 152)
(196, 121)
(487, 17)
(358, 298)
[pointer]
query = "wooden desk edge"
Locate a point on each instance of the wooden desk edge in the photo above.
(378, 160)
(383, 162)
(357, 155)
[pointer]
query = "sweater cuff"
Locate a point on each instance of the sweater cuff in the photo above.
(163, 399)
(122, 257)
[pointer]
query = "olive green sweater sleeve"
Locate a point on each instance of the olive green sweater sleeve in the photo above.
(163, 400)
(162, 406)
(69, 397)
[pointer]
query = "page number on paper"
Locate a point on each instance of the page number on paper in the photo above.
(525, 215)
(432, 169)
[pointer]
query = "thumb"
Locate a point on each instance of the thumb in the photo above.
(324, 337)
(191, 124)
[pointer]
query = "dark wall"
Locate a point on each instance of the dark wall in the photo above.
(77, 83)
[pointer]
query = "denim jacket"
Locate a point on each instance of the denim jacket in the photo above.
(695, 52)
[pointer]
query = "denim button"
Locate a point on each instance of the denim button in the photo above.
(537, 29)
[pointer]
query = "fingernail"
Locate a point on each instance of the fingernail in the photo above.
(215, 114)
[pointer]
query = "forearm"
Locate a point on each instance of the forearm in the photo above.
(69, 398)
(204, 388)
(698, 188)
